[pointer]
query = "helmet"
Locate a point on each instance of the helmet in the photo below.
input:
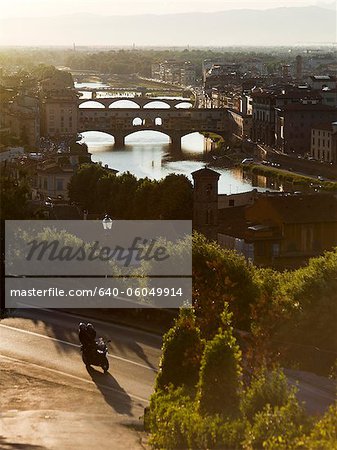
(90, 327)
(82, 326)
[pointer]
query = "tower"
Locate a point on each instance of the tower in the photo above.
(205, 202)
(299, 67)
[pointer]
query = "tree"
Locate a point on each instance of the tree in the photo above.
(220, 373)
(221, 275)
(83, 186)
(181, 353)
(175, 197)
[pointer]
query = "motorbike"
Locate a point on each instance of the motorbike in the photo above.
(96, 356)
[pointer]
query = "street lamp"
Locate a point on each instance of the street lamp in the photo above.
(107, 225)
(107, 222)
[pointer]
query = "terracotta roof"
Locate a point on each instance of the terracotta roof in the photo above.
(233, 221)
(310, 208)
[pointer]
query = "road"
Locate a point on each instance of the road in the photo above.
(50, 401)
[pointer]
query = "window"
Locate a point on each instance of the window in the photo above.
(59, 184)
(209, 189)
(275, 249)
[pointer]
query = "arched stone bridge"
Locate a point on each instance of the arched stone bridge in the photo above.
(139, 102)
(176, 123)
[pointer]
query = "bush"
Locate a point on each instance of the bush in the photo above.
(220, 373)
(278, 428)
(220, 276)
(167, 411)
(175, 423)
(266, 388)
(181, 353)
(324, 432)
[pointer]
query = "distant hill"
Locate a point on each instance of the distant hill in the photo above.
(278, 26)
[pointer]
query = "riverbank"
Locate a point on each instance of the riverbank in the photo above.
(286, 175)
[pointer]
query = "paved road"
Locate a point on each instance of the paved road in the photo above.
(50, 401)
(44, 382)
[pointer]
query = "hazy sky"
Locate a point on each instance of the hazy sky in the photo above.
(40, 8)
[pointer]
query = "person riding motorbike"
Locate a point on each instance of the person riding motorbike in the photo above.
(91, 331)
(87, 335)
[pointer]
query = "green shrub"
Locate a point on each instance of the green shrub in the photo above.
(266, 388)
(167, 411)
(175, 423)
(278, 428)
(181, 353)
(220, 276)
(324, 433)
(220, 372)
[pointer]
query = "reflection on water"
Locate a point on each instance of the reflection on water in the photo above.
(148, 153)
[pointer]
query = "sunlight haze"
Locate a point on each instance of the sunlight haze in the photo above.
(41, 8)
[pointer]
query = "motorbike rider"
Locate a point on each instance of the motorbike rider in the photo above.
(87, 335)
(91, 331)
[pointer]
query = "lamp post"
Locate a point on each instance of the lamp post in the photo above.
(107, 222)
(107, 226)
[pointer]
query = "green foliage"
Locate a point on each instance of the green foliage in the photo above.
(309, 333)
(175, 423)
(175, 196)
(13, 199)
(220, 373)
(283, 175)
(43, 71)
(83, 185)
(278, 427)
(126, 197)
(182, 350)
(266, 388)
(324, 432)
(220, 275)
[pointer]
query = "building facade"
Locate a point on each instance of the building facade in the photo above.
(324, 142)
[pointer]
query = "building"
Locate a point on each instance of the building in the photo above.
(277, 230)
(59, 108)
(324, 142)
(11, 153)
(22, 117)
(299, 67)
(175, 72)
(53, 175)
(294, 123)
(205, 202)
(320, 82)
(242, 124)
(263, 108)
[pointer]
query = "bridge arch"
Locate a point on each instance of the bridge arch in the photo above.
(152, 104)
(133, 134)
(91, 104)
(184, 104)
(123, 104)
(137, 122)
(90, 136)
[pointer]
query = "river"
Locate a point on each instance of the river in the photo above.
(146, 153)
